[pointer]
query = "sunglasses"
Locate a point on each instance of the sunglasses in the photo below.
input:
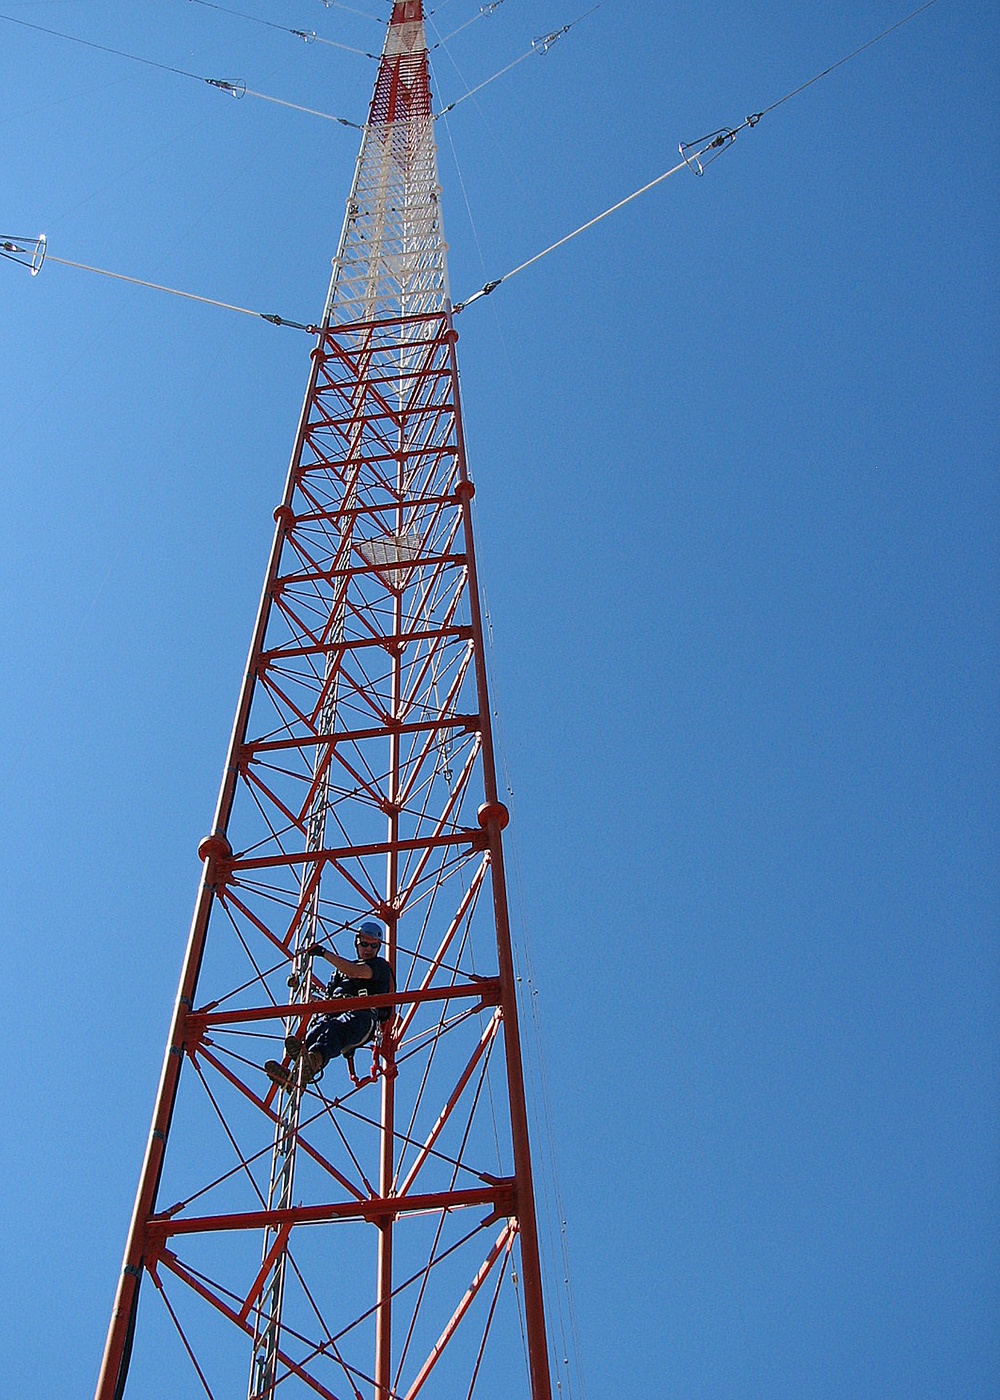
(368, 942)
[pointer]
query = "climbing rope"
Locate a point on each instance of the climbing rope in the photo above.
(235, 89)
(695, 155)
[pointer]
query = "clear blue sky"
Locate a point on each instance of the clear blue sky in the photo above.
(736, 458)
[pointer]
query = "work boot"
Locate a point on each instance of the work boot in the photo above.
(293, 1047)
(312, 1065)
(278, 1074)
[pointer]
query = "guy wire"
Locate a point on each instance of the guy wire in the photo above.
(727, 137)
(236, 89)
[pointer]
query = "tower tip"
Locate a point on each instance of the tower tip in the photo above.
(406, 12)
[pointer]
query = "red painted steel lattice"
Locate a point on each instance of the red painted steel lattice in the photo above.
(370, 1236)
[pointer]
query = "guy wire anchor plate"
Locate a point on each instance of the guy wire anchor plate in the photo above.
(29, 252)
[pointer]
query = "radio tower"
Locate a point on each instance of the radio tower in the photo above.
(369, 1235)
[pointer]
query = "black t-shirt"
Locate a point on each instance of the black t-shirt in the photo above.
(378, 984)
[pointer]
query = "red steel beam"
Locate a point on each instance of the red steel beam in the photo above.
(468, 724)
(487, 990)
(495, 818)
(511, 1196)
(485, 1039)
(499, 1196)
(482, 1275)
(115, 1360)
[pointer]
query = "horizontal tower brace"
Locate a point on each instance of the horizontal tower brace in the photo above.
(391, 641)
(341, 331)
(435, 370)
(473, 836)
(401, 498)
(394, 416)
(401, 565)
(486, 989)
(501, 1196)
(468, 724)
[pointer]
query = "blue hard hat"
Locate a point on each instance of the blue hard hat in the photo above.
(372, 929)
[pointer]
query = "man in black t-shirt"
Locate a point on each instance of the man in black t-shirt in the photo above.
(369, 975)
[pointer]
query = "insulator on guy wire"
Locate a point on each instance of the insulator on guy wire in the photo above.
(237, 89)
(545, 41)
(29, 252)
(697, 154)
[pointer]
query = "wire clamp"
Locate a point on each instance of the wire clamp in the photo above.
(276, 320)
(483, 292)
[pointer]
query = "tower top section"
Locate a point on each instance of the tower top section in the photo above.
(402, 89)
(391, 258)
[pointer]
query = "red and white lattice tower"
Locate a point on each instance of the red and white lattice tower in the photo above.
(371, 1237)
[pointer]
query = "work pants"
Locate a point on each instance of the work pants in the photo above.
(332, 1035)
